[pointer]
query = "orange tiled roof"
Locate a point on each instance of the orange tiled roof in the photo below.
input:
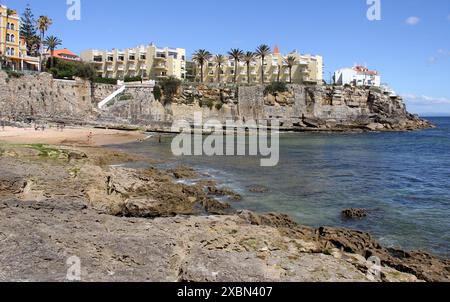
(276, 50)
(65, 54)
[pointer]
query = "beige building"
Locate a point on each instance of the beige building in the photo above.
(307, 69)
(149, 62)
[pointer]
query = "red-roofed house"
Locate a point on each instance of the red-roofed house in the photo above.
(66, 54)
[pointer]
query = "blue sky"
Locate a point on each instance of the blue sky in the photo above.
(410, 45)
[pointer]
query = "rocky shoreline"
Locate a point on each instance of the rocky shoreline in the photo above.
(145, 225)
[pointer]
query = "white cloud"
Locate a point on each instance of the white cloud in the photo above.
(425, 100)
(432, 60)
(412, 21)
(440, 54)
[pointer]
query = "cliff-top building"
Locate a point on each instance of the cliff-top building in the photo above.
(307, 69)
(148, 62)
(12, 46)
(357, 76)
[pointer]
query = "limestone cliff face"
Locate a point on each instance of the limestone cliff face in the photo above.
(42, 97)
(300, 108)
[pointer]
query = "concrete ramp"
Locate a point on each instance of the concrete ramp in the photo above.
(110, 97)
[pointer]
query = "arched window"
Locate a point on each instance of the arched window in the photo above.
(8, 38)
(13, 38)
(13, 26)
(13, 51)
(8, 25)
(8, 51)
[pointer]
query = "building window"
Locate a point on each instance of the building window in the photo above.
(8, 25)
(13, 27)
(13, 52)
(8, 38)
(13, 38)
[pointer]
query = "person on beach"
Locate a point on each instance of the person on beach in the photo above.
(90, 137)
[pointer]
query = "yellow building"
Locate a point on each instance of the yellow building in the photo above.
(148, 62)
(307, 69)
(11, 45)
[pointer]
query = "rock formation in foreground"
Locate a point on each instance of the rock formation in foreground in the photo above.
(300, 108)
(145, 225)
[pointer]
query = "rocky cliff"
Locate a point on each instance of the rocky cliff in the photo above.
(302, 108)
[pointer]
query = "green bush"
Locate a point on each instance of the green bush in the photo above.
(14, 74)
(64, 69)
(170, 88)
(133, 79)
(207, 103)
(125, 97)
(219, 106)
(157, 93)
(275, 87)
(106, 81)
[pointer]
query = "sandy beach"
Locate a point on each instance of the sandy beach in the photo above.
(69, 137)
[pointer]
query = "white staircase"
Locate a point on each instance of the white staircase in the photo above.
(110, 97)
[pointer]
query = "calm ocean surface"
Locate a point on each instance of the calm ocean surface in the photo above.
(403, 179)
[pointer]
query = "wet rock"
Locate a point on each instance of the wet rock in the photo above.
(354, 213)
(11, 183)
(258, 189)
(215, 191)
(75, 155)
(183, 172)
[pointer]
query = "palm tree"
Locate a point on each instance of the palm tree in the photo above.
(237, 55)
(220, 60)
(290, 62)
(201, 56)
(52, 43)
(43, 23)
(9, 12)
(248, 58)
(263, 51)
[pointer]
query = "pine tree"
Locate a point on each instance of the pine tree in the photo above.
(28, 28)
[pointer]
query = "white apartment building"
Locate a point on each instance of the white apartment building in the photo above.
(357, 76)
(149, 62)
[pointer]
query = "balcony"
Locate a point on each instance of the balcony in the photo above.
(132, 67)
(160, 66)
(97, 59)
(120, 68)
(303, 62)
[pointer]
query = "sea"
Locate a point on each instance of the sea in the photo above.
(401, 178)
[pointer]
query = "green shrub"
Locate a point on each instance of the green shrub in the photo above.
(133, 79)
(14, 74)
(275, 87)
(157, 93)
(170, 88)
(106, 81)
(207, 103)
(125, 97)
(219, 106)
(64, 69)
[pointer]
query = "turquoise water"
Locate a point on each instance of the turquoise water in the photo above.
(403, 179)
